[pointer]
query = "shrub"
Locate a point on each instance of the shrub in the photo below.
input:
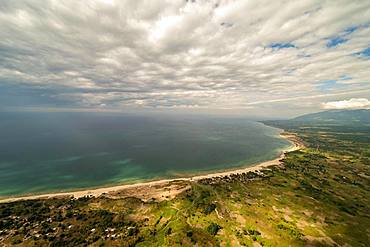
(213, 228)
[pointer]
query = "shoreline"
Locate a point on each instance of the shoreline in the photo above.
(96, 192)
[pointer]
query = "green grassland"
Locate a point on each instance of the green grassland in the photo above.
(320, 196)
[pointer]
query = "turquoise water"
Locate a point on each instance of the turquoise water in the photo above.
(43, 152)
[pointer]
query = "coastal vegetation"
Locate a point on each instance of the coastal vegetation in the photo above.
(318, 196)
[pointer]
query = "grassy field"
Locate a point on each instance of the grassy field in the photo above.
(320, 196)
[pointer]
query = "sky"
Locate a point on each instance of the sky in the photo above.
(260, 58)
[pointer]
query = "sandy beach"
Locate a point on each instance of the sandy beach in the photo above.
(164, 188)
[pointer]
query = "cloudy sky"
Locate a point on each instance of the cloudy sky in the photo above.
(267, 58)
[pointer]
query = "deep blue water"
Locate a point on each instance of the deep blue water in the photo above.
(41, 152)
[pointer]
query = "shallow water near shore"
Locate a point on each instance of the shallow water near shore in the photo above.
(46, 152)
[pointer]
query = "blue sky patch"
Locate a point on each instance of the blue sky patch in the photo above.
(279, 46)
(345, 78)
(364, 54)
(342, 37)
(336, 41)
(350, 30)
(329, 85)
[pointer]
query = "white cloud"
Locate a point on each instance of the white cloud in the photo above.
(171, 53)
(354, 103)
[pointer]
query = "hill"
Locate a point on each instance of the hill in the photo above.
(344, 117)
(333, 120)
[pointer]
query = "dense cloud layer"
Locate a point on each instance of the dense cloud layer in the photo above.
(217, 54)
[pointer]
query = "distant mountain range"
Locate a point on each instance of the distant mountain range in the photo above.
(339, 120)
(337, 116)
